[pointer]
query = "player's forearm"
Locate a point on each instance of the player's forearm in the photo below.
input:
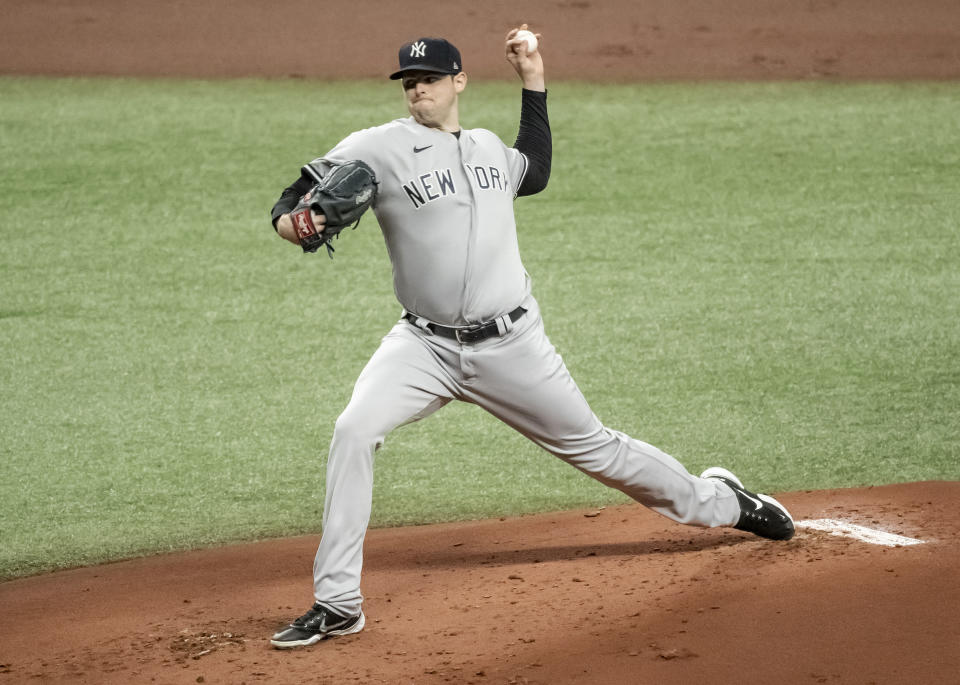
(284, 226)
(280, 214)
(534, 81)
(535, 141)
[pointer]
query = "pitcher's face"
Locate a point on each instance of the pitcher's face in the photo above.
(432, 98)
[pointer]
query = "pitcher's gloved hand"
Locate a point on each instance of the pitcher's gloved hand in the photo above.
(342, 196)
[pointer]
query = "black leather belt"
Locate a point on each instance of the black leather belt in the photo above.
(467, 334)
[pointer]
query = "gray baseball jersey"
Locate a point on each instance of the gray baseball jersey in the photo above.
(445, 206)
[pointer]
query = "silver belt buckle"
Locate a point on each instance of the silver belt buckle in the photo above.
(470, 329)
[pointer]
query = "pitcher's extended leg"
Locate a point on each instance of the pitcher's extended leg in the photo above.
(529, 388)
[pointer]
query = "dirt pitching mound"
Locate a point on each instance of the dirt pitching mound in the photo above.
(617, 595)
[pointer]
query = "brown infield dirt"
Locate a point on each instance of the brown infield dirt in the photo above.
(618, 595)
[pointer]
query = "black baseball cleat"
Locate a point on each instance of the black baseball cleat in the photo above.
(759, 514)
(315, 625)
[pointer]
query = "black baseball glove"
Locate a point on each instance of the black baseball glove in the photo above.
(342, 196)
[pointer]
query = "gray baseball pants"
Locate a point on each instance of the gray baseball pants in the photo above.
(521, 380)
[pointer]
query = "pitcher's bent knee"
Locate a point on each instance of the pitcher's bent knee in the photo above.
(356, 432)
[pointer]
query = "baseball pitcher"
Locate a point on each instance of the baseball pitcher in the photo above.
(471, 329)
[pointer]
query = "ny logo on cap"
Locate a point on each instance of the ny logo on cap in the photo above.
(418, 49)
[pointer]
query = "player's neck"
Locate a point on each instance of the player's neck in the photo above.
(451, 123)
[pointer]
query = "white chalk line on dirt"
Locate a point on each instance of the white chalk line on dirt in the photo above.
(862, 533)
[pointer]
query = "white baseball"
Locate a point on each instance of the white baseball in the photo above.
(530, 38)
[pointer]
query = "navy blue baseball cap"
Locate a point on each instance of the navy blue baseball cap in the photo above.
(429, 54)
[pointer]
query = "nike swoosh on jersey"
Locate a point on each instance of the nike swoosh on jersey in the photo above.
(421, 149)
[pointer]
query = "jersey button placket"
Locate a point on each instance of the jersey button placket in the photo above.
(468, 297)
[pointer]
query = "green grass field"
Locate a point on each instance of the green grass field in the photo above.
(765, 276)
